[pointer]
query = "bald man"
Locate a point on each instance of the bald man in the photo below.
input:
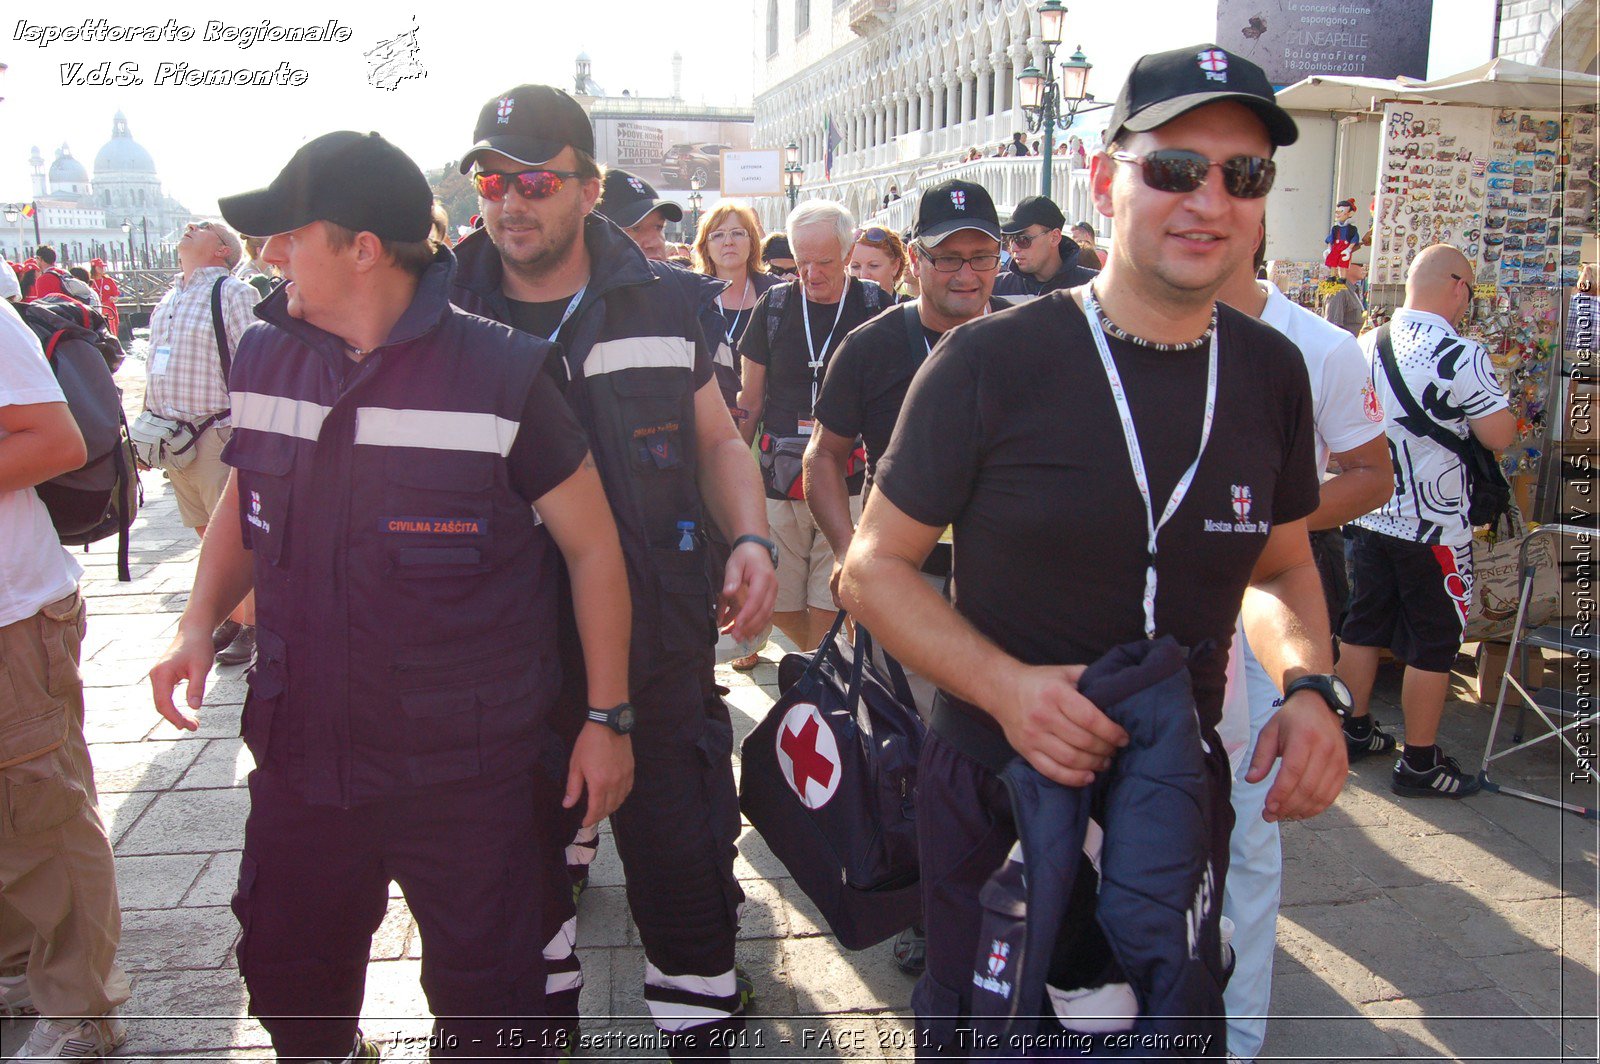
(1412, 557)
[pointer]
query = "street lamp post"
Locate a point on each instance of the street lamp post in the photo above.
(695, 185)
(1049, 102)
(127, 231)
(793, 176)
(144, 224)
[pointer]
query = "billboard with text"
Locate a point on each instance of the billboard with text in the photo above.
(1295, 39)
(668, 152)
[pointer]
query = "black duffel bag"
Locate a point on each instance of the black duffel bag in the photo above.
(829, 780)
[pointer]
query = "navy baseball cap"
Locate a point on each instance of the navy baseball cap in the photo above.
(1034, 210)
(530, 124)
(627, 199)
(357, 180)
(1165, 85)
(951, 206)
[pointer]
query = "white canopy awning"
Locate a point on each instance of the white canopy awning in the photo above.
(1497, 83)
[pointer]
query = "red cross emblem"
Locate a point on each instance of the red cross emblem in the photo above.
(998, 953)
(1214, 62)
(808, 754)
(1241, 502)
(958, 197)
(503, 111)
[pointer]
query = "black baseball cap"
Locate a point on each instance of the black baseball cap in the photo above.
(531, 124)
(627, 199)
(951, 206)
(776, 246)
(357, 180)
(1164, 85)
(1034, 210)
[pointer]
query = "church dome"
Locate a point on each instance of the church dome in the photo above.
(66, 170)
(122, 154)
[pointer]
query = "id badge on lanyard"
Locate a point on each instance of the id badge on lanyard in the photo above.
(1130, 437)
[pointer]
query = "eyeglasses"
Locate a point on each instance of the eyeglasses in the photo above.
(531, 184)
(872, 236)
(1177, 170)
(1024, 241)
(953, 263)
(202, 226)
(724, 235)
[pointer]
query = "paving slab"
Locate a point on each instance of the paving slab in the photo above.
(190, 822)
(158, 881)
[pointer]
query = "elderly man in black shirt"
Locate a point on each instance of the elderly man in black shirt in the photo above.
(1066, 440)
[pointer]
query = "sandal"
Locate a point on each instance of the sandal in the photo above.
(745, 664)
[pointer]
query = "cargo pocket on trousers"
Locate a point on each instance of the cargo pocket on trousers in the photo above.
(39, 797)
(685, 600)
(266, 681)
(715, 746)
(32, 721)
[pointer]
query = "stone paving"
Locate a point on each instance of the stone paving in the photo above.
(1415, 929)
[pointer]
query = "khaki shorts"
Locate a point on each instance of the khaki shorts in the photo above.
(198, 486)
(805, 561)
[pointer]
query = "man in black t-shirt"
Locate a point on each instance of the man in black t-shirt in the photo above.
(1021, 431)
(793, 332)
(955, 252)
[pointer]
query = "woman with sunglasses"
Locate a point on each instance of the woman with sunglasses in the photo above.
(879, 255)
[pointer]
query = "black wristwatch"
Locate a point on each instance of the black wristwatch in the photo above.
(619, 718)
(1333, 690)
(772, 548)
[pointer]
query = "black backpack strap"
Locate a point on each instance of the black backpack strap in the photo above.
(777, 299)
(221, 330)
(1397, 384)
(870, 294)
(919, 351)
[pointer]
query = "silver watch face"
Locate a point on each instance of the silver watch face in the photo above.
(1341, 691)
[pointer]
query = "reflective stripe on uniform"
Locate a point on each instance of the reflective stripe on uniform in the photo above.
(439, 430)
(279, 414)
(561, 963)
(639, 352)
(682, 1002)
(724, 356)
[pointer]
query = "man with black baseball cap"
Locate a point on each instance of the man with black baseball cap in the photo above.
(632, 203)
(638, 374)
(1041, 261)
(1180, 432)
(393, 458)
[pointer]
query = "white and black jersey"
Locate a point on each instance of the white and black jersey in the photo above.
(1452, 381)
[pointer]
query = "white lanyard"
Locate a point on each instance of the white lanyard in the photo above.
(815, 360)
(1131, 437)
(732, 331)
(925, 343)
(572, 305)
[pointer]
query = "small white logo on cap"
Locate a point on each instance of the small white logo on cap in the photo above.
(1214, 62)
(504, 110)
(636, 185)
(959, 198)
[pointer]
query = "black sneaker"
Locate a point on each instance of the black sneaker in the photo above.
(242, 649)
(1377, 741)
(1444, 780)
(910, 950)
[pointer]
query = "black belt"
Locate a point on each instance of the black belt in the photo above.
(960, 729)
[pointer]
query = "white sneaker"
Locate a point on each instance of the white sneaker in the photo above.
(73, 1039)
(16, 999)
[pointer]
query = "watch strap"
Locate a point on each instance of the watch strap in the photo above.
(768, 545)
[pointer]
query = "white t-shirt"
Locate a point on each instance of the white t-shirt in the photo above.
(35, 570)
(1452, 381)
(1346, 416)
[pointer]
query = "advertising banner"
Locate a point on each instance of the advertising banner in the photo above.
(668, 152)
(1296, 39)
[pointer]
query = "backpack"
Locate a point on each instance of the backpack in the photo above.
(90, 319)
(101, 497)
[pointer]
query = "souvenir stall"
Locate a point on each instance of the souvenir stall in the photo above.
(1499, 161)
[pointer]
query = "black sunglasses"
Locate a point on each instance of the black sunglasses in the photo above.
(1177, 170)
(782, 271)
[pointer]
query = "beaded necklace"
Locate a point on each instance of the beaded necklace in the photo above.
(1191, 345)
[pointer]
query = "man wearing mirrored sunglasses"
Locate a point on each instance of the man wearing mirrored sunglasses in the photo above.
(636, 369)
(1121, 463)
(1041, 260)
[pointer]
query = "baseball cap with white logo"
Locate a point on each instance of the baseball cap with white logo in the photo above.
(1166, 85)
(951, 206)
(530, 124)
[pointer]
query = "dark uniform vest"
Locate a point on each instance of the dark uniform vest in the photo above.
(405, 593)
(629, 358)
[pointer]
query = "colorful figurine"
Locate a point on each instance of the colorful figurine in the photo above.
(1343, 238)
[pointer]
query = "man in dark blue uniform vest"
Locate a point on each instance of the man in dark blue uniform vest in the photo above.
(639, 375)
(404, 481)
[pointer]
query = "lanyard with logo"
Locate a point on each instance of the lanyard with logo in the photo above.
(572, 305)
(815, 359)
(1131, 438)
(732, 331)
